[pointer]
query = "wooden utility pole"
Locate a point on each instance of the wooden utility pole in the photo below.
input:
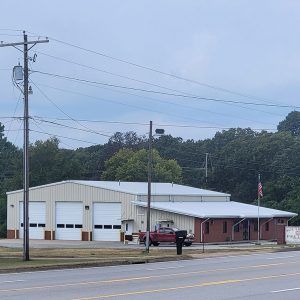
(25, 50)
(149, 188)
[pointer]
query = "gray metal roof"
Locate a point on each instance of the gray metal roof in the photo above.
(215, 210)
(141, 188)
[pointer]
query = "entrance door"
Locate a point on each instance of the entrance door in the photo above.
(128, 227)
(246, 231)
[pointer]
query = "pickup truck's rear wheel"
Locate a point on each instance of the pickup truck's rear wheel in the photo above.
(155, 244)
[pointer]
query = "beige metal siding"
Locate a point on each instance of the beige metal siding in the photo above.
(180, 221)
(69, 191)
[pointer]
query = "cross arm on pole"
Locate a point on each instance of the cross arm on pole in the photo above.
(23, 43)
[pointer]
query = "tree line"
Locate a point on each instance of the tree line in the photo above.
(235, 157)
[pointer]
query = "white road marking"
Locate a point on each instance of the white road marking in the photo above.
(12, 281)
(165, 268)
(280, 257)
(286, 290)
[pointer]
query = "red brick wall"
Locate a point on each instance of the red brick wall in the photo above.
(216, 231)
(47, 235)
(275, 232)
(85, 235)
(11, 234)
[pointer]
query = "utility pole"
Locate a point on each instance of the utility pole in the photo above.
(25, 50)
(150, 159)
(206, 160)
(149, 188)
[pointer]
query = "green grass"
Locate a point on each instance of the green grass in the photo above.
(11, 259)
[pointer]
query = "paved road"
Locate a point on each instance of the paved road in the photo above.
(255, 276)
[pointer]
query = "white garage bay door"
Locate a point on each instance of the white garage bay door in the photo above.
(106, 221)
(37, 220)
(68, 220)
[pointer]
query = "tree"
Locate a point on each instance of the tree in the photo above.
(128, 165)
(49, 163)
(291, 123)
(10, 174)
(115, 163)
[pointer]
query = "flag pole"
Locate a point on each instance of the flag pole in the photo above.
(258, 205)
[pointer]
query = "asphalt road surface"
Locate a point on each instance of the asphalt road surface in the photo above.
(255, 276)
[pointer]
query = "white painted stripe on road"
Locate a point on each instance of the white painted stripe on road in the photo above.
(177, 267)
(280, 257)
(12, 281)
(286, 290)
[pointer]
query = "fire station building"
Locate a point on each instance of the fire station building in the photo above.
(112, 211)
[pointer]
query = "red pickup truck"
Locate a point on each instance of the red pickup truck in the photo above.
(165, 234)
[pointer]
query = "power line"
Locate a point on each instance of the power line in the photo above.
(121, 103)
(8, 34)
(165, 93)
(134, 79)
(65, 137)
(107, 72)
(70, 127)
(181, 116)
(9, 29)
(162, 72)
(46, 132)
(172, 103)
(16, 107)
(62, 110)
(146, 124)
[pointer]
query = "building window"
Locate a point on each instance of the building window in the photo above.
(224, 226)
(280, 221)
(267, 226)
(237, 228)
(206, 227)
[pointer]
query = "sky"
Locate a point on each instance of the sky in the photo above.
(136, 61)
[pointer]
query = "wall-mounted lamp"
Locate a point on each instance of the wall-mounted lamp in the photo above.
(87, 207)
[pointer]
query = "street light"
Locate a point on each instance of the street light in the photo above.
(157, 132)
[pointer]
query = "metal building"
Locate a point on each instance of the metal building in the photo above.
(112, 211)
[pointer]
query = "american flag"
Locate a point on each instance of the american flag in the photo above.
(260, 190)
